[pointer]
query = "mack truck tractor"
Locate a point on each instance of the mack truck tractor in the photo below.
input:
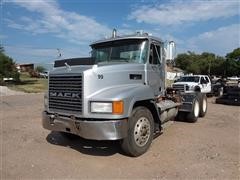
(119, 93)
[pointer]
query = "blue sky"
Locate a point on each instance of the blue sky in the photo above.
(33, 30)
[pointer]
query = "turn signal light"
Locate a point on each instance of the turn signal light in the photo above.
(118, 107)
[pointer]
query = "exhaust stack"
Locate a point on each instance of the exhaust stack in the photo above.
(114, 33)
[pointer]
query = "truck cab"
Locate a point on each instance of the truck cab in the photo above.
(118, 93)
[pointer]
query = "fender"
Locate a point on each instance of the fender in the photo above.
(129, 93)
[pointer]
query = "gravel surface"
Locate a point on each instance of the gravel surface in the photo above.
(5, 91)
(208, 149)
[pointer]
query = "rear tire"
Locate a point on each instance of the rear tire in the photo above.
(203, 105)
(140, 132)
(194, 114)
(181, 116)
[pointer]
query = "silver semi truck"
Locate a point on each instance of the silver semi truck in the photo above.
(119, 93)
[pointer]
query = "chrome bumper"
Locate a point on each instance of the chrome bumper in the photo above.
(97, 130)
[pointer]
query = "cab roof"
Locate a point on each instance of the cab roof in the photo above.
(133, 36)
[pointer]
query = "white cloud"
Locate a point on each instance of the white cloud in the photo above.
(2, 36)
(70, 26)
(31, 54)
(179, 12)
(219, 41)
(29, 51)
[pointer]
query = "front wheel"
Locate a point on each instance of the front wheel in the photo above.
(140, 132)
(69, 136)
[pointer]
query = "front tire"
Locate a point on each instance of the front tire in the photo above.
(140, 132)
(69, 136)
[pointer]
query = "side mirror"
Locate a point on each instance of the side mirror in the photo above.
(170, 51)
(90, 53)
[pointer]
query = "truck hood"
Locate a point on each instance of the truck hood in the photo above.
(188, 83)
(104, 67)
(70, 70)
(98, 77)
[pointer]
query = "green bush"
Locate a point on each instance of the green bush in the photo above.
(7, 67)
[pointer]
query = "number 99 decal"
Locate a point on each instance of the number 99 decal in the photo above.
(100, 76)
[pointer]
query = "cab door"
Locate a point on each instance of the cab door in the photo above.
(208, 84)
(154, 69)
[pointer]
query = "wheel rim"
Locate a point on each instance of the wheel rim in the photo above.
(204, 105)
(142, 131)
(221, 92)
(196, 109)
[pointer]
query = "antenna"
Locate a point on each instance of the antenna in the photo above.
(59, 53)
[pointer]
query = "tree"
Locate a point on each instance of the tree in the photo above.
(7, 67)
(218, 66)
(183, 61)
(40, 69)
(1, 49)
(235, 54)
(232, 64)
(209, 63)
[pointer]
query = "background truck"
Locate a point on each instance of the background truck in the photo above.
(193, 83)
(117, 94)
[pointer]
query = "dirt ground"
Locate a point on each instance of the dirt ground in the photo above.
(208, 149)
(5, 91)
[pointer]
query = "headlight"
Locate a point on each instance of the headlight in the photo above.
(101, 107)
(115, 107)
(192, 87)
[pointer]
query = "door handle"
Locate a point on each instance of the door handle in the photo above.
(154, 68)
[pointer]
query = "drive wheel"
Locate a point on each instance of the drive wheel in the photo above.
(181, 116)
(220, 91)
(203, 105)
(140, 132)
(194, 114)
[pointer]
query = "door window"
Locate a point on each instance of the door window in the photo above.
(207, 80)
(202, 81)
(155, 54)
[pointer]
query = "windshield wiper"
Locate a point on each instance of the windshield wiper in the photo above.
(115, 60)
(122, 60)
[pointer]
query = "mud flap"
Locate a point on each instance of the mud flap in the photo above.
(187, 102)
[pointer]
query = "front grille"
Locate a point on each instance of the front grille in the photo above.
(179, 87)
(65, 94)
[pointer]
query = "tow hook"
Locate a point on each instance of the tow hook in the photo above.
(77, 124)
(52, 117)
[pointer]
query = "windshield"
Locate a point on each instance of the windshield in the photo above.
(131, 50)
(189, 79)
